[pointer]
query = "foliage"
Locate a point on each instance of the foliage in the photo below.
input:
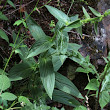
(52, 52)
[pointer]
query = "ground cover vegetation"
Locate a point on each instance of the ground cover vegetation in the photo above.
(35, 83)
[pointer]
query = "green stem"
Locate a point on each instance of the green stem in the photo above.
(4, 5)
(45, 4)
(7, 62)
(11, 53)
(100, 86)
(14, 108)
(32, 11)
(70, 8)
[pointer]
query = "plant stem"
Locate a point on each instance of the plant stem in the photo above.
(14, 108)
(70, 8)
(45, 4)
(100, 86)
(11, 53)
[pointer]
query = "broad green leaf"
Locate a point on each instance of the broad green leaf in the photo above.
(80, 108)
(85, 13)
(8, 96)
(58, 61)
(24, 99)
(96, 27)
(34, 28)
(47, 75)
(85, 70)
(11, 3)
(61, 16)
(106, 83)
(2, 16)
(75, 24)
(65, 98)
(64, 84)
(62, 42)
(104, 99)
(20, 71)
(82, 70)
(22, 51)
(3, 35)
(94, 11)
(74, 46)
(74, 18)
(2, 71)
(93, 85)
(40, 46)
(18, 51)
(4, 82)
(79, 30)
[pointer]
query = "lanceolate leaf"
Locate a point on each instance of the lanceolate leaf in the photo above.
(75, 24)
(20, 71)
(34, 28)
(65, 98)
(66, 85)
(4, 82)
(8, 96)
(104, 98)
(96, 27)
(25, 100)
(58, 61)
(3, 35)
(40, 46)
(106, 83)
(2, 16)
(93, 84)
(11, 3)
(74, 18)
(61, 16)
(94, 11)
(80, 108)
(47, 75)
(85, 13)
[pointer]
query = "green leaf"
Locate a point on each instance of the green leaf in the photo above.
(40, 46)
(94, 11)
(8, 96)
(96, 27)
(106, 83)
(74, 46)
(74, 18)
(20, 71)
(80, 108)
(2, 16)
(58, 61)
(79, 30)
(85, 12)
(24, 99)
(61, 16)
(82, 70)
(18, 22)
(4, 82)
(11, 3)
(47, 75)
(3, 35)
(75, 24)
(2, 71)
(34, 28)
(93, 85)
(104, 99)
(66, 85)
(65, 98)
